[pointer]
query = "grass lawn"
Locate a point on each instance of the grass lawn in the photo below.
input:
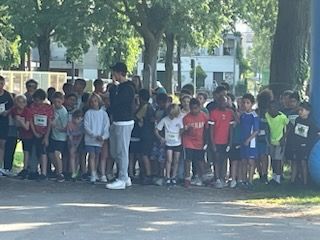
(286, 194)
(18, 157)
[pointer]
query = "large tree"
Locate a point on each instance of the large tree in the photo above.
(39, 22)
(261, 16)
(195, 23)
(291, 41)
(8, 42)
(116, 39)
(150, 19)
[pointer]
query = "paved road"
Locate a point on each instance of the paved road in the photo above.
(33, 210)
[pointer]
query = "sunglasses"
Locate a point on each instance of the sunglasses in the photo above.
(31, 86)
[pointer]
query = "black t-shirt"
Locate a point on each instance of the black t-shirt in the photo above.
(148, 124)
(212, 106)
(305, 133)
(6, 103)
(122, 103)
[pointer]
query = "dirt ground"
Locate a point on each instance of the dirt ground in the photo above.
(47, 210)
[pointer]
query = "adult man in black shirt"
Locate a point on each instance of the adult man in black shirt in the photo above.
(122, 114)
(6, 103)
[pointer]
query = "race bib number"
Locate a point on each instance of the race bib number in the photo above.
(301, 130)
(40, 120)
(262, 133)
(172, 137)
(2, 107)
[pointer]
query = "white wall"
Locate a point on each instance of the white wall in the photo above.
(88, 66)
(209, 64)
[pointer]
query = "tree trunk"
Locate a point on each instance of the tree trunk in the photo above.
(290, 40)
(150, 57)
(169, 38)
(179, 63)
(43, 45)
(22, 65)
(29, 60)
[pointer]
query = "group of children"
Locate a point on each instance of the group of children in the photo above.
(69, 132)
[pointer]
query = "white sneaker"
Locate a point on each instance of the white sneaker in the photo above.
(196, 182)
(219, 184)
(128, 182)
(93, 178)
(2, 172)
(103, 179)
(116, 185)
(233, 184)
(8, 173)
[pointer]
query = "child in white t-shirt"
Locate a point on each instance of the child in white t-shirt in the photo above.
(96, 126)
(173, 126)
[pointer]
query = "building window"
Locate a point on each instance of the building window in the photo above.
(218, 77)
(228, 77)
(228, 47)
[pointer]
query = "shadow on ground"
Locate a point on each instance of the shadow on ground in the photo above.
(46, 210)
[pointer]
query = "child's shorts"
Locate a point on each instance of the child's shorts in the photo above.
(300, 153)
(193, 155)
(174, 148)
(234, 153)
(41, 149)
(288, 153)
(221, 153)
(93, 149)
(158, 153)
(135, 147)
(262, 148)
(276, 152)
(57, 146)
(248, 153)
(82, 147)
(27, 145)
(146, 146)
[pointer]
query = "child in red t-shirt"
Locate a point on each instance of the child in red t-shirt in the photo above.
(195, 124)
(21, 114)
(41, 115)
(221, 120)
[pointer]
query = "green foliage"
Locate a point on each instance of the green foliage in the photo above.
(261, 16)
(115, 37)
(9, 54)
(35, 22)
(260, 55)
(133, 51)
(200, 76)
(244, 64)
(198, 22)
(128, 52)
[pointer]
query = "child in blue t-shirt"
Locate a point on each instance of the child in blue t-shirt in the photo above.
(249, 122)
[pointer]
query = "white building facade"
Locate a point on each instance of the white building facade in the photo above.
(87, 67)
(220, 66)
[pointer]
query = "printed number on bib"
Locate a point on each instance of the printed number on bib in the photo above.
(172, 137)
(301, 130)
(262, 133)
(40, 120)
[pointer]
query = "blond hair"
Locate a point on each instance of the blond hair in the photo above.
(174, 110)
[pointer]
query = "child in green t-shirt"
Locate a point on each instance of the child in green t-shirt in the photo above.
(277, 122)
